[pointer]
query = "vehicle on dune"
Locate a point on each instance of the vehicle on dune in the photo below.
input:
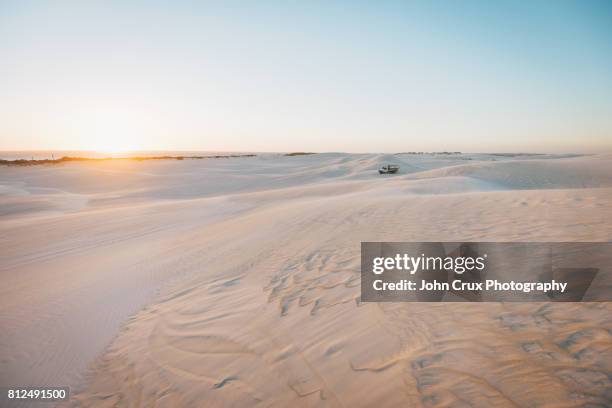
(388, 169)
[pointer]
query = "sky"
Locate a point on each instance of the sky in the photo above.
(378, 76)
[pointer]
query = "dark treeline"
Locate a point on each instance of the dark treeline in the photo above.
(24, 162)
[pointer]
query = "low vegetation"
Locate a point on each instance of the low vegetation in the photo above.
(33, 162)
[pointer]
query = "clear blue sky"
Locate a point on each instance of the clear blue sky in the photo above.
(306, 75)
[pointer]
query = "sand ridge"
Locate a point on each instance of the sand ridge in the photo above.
(240, 282)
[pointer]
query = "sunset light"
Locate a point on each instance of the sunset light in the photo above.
(321, 204)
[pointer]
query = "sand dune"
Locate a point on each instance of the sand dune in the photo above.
(236, 282)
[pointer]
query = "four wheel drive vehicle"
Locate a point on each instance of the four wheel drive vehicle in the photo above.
(388, 169)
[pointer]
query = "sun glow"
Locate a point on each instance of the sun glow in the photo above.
(112, 151)
(112, 130)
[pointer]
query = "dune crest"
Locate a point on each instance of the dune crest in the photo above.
(236, 282)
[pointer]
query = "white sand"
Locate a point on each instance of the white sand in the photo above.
(236, 281)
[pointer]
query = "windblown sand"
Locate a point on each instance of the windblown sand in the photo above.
(235, 282)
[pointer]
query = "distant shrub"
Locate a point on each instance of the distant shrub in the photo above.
(298, 154)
